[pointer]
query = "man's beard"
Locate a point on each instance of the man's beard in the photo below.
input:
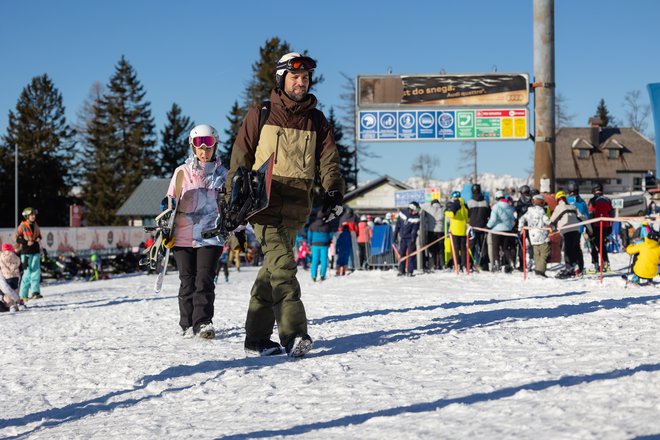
(298, 97)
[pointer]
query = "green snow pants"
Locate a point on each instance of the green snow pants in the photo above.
(275, 295)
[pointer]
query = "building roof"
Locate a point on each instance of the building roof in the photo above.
(636, 153)
(145, 200)
(369, 186)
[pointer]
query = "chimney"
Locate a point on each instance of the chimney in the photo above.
(595, 124)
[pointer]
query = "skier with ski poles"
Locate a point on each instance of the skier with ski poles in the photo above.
(197, 182)
(299, 137)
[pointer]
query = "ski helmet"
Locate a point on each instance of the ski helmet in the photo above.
(292, 62)
(413, 206)
(572, 188)
(205, 136)
(27, 211)
(524, 190)
(476, 189)
(597, 188)
(560, 195)
(538, 199)
(653, 235)
(499, 194)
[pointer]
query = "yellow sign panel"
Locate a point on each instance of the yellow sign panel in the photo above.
(521, 127)
(507, 127)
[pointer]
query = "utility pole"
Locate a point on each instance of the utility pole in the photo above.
(544, 95)
(474, 148)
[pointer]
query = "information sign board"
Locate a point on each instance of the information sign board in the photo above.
(450, 125)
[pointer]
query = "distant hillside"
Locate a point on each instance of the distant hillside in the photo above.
(489, 182)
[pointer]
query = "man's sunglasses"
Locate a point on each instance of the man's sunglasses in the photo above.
(297, 63)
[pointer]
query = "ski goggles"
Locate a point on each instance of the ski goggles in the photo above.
(297, 63)
(203, 142)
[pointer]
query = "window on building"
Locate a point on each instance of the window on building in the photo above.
(583, 153)
(613, 153)
(637, 183)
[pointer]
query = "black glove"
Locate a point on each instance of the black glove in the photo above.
(332, 207)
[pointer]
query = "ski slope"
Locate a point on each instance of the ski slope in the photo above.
(434, 356)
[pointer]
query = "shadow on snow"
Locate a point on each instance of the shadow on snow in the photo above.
(77, 411)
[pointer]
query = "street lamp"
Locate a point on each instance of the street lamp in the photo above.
(15, 185)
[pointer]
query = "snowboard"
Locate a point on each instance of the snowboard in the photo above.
(250, 195)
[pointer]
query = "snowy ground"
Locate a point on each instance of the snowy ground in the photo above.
(435, 356)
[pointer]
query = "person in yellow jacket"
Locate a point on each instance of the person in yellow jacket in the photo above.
(457, 213)
(648, 257)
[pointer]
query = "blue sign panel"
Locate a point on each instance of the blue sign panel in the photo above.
(426, 125)
(407, 125)
(403, 198)
(368, 125)
(387, 125)
(446, 125)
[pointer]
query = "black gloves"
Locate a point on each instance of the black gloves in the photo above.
(242, 241)
(332, 207)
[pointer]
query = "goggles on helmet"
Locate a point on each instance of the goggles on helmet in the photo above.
(203, 142)
(297, 63)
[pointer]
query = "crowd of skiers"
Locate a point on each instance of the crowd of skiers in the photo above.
(491, 236)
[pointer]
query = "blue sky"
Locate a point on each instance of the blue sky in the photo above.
(199, 55)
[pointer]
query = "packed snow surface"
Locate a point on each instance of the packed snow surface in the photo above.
(434, 356)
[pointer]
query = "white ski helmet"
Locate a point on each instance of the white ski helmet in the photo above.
(201, 135)
(292, 62)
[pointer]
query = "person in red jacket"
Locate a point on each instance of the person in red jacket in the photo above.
(600, 206)
(363, 239)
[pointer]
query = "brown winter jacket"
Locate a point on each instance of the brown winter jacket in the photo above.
(289, 133)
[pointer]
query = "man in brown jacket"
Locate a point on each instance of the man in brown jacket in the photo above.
(300, 138)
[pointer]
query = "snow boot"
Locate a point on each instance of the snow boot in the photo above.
(262, 348)
(299, 346)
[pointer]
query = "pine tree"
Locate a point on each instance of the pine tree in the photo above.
(263, 70)
(45, 155)
(346, 156)
(604, 114)
(120, 146)
(263, 78)
(235, 119)
(174, 138)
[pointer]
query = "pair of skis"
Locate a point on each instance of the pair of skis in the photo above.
(158, 254)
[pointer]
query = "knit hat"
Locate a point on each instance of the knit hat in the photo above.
(7, 247)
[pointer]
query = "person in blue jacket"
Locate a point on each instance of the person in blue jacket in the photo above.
(319, 236)
(502, 219)
(406, 229)
(343, 248)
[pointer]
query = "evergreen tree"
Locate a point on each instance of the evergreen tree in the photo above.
(346, 156)
(235, 119)
(120, 146)
(263, 71)
(604, 114)
(174, 136)
(263, 79)
(45, 155)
